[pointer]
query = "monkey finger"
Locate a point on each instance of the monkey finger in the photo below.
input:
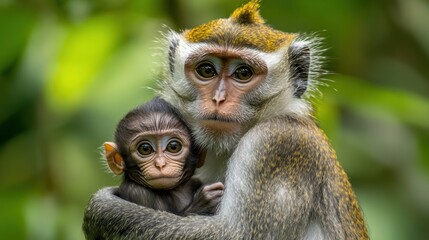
(214, 194)
(214, 186)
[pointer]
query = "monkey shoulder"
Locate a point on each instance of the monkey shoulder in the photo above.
(294, 150)
(291, 132)
(290, 145)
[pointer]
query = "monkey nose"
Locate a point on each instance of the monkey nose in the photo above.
(219, 97)
(159, 163)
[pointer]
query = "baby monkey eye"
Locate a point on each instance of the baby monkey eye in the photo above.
(205, 70)
(145, 149)
(174, 146)
(243, 74)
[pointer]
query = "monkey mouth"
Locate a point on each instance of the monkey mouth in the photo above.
(162, 178)
(219, 118)
(219, 124)
(164, 183)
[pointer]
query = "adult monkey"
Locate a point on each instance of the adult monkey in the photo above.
(240, 85)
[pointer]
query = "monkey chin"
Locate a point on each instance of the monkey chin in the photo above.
(220, 127)
(164, 183)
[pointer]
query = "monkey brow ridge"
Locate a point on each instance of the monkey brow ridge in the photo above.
(245, 27)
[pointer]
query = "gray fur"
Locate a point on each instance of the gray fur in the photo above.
(283, 180)
(171, 55)
(285, 200)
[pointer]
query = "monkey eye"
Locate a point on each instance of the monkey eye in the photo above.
(145, 149)
(243, 74)
(174, 146)
(205, 70)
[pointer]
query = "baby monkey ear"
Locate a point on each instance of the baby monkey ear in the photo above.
(114, 159)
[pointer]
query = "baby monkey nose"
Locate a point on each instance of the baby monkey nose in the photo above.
(160, 163)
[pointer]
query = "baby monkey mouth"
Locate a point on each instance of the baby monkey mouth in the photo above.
(164, 175)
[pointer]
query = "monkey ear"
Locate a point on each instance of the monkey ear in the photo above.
(202, 158)
(114, 159)
(299, 65)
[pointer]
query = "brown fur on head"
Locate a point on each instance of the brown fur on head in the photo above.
(244, 28)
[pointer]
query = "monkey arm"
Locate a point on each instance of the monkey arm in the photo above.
(109, 217)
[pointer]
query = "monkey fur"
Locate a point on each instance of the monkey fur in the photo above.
(283, 180)
(145, 174)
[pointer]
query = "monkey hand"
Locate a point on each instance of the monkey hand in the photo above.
(206, 200)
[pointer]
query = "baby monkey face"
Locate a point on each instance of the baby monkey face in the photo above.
(160, 158)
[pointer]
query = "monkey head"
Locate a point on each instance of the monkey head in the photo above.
(227, 74)
(154, 148)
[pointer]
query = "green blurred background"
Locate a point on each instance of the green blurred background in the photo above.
(69, 70)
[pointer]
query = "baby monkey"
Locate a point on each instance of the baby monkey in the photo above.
(155, 151)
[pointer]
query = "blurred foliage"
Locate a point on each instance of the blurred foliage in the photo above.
(69, 70)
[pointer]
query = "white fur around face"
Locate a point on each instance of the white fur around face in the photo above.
(275, 93)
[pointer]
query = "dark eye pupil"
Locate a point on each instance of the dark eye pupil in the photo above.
(174, 147)
(145, 149)
(206, 70)
(243, 73)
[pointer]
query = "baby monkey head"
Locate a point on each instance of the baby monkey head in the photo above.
(153, 147)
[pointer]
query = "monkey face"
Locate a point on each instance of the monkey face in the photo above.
(153, 147)
(159, 159)
(223, 77)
